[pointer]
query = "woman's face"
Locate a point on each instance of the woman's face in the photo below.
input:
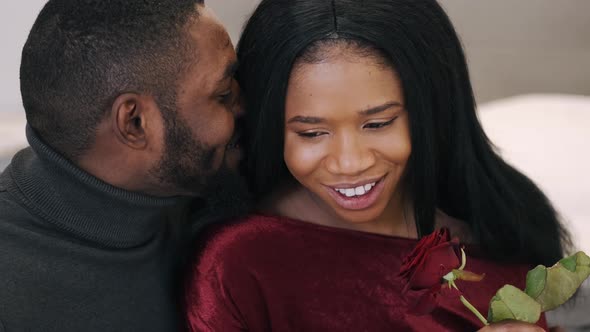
(347, 137)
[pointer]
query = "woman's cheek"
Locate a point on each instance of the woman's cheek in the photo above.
(303, 158)
(396, 147)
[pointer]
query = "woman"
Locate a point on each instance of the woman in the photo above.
(363, 137)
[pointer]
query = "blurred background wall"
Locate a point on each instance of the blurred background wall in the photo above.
(513, 47)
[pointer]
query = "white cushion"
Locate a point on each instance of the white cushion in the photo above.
(548, 138)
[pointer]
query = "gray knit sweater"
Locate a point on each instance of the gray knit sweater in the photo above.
(77, 254)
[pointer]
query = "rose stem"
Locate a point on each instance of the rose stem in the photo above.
(475, 311)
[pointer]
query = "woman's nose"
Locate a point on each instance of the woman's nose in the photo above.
(348, 155)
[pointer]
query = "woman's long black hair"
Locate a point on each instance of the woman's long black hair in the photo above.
(453, 165)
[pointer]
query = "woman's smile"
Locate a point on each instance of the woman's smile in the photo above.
(358, 196)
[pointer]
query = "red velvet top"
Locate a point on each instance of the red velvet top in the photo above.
(267, 273)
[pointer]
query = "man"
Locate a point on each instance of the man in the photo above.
(130, 105)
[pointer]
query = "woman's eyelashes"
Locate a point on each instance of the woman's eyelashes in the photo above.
(370, 126)
(379, 125)
(311, 134)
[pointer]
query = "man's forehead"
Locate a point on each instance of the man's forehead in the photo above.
(214, 51)
(209, 29)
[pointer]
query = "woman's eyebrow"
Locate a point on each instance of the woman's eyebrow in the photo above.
(378, 109)
(369, 111)
(306, 119)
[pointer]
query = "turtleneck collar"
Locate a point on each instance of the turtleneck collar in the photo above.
(76, 202)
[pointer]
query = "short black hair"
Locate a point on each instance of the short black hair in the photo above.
(453, 166)
(82, 54)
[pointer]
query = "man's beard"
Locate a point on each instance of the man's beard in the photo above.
(187, 165)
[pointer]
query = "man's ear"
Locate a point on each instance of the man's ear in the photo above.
(131, 116)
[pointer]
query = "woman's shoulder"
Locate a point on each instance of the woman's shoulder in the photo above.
(222, 278)
(241, 228)
(241, 237)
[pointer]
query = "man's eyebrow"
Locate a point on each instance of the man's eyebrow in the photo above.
(380, 108)
(229, 72)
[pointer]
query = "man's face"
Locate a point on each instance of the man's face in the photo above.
(199, 130)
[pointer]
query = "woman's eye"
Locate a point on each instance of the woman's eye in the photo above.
(311, 134)
(377, 125)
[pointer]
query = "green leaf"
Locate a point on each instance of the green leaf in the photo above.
(553, 286)
(535, 281)
(569, 263)
(582, 259)
(510, 303)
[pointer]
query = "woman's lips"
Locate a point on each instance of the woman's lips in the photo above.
(362, 198)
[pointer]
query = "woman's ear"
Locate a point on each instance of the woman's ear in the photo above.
(132, 115)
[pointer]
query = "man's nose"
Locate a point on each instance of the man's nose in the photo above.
(238, 108)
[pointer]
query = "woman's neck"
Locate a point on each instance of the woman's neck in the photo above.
(296, 202)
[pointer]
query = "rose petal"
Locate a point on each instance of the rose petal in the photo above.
(413, 259)
(426, 303)
(435, 264)
(423, 246)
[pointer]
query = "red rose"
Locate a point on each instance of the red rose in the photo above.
(434, 266)
(434, 257)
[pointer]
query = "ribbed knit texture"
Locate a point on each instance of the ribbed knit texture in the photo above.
(77, 202)
(77, 254)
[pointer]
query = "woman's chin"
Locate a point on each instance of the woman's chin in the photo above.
(360, 217)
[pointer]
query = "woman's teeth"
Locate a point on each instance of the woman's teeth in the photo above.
(358, 191)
